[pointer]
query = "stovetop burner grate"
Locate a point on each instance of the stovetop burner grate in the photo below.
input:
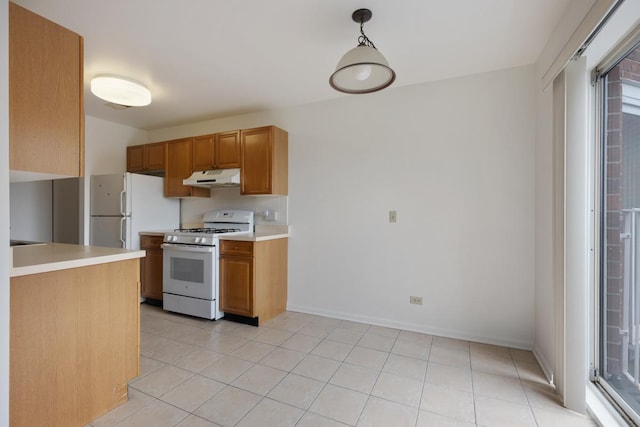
(208, 230)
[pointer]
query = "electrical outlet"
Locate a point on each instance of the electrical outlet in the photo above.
(415, 300)
(270, 215)
(393, 216)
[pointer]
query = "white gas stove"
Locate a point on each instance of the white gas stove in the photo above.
(190, 283)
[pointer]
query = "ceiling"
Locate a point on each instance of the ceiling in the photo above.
(205, 59)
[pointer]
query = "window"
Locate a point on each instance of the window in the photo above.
(619, 282)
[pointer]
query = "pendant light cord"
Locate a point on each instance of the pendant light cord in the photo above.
(363, 40)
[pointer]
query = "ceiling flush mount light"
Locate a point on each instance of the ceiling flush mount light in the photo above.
(120, 90)
(363, 69)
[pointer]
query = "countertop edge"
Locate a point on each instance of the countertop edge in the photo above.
(74, 263)
(254, 237)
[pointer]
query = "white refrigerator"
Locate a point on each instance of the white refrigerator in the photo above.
(124, 204)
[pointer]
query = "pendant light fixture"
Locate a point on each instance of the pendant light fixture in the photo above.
(120, 90)
(363, 69)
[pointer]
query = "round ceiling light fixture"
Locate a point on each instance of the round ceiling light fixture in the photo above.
(120, 90)
(363, 69)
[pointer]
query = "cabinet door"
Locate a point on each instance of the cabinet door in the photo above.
(178, 168)
(236, 285)
(151, 267)
(227, 153)
(46, 124)
(203, 152)
(154, 156)
(152, 277)
(255, 154)
(135, 158)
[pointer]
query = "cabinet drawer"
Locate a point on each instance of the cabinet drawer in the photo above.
(151, 242)
(231, 247)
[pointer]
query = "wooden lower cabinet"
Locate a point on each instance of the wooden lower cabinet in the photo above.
(253, 278)
(74, 343)
(151, 267)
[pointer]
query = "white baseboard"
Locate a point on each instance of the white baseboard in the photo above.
(413, 327)
(547, 368)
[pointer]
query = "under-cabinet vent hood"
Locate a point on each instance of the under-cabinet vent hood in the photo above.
(214, 178)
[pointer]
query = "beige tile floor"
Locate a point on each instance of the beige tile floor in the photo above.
(311, 371)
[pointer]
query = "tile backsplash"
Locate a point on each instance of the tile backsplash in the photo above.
(192, 209)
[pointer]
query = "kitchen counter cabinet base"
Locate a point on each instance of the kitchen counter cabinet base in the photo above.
(151, 269)
(253, 280)
(74, 343)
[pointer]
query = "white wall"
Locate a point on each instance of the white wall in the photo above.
(66, 209)
(192, 208)
(456, 160)
(105, 152)
(545, 345)
(32, 211)
(4, 213)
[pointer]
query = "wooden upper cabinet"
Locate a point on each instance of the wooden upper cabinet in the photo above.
(264, 161)
(46, 110)
(203, 152)
(154, 156)
(178, 160)
(135, 158)
(147, 158)
(219, 151)
(227, 150)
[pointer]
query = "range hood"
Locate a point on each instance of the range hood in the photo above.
(214, 178)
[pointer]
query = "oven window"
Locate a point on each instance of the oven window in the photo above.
(187, 269)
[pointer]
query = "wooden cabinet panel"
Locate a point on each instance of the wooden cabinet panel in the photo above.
(46, 120)
(238, 248)
(227, 153)
(253, 278)
(135, 158)
(154, 156)
(75, 343)
(203, 152)
(219, 151)
(264, 161)
(236, 285)
(178, 160)
(151, 267)
(147, 158)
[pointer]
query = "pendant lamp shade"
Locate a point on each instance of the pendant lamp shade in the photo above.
(120, 90)
(363, 69)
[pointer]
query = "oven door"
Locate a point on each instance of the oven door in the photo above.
(189, 270)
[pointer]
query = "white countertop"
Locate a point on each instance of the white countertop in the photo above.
(262, 232)
(33, 259)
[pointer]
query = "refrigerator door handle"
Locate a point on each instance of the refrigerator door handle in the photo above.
(123, 202)
(122, 231)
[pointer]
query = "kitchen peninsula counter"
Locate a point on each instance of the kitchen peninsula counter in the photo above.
(75, 332)
(42, 258)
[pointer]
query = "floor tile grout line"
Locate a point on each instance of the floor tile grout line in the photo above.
(424, 380)
(388, 354)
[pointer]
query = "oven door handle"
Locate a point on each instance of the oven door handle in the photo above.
(187, 248)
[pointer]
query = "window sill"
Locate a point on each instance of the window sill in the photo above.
(601, 410)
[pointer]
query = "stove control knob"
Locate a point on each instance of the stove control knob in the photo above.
(203, 240)
(197, 240)
(173, 238)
